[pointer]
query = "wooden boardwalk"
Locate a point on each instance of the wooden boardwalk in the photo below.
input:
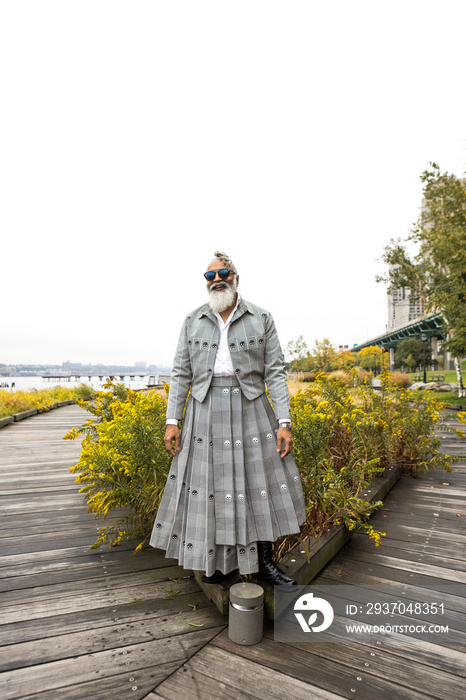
(112, 625)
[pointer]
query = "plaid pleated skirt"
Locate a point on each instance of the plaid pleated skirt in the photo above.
(228, 487)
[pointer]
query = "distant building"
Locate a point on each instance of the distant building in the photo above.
(7, 371)
(403, 308)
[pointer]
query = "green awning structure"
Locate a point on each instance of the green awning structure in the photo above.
(430, 326)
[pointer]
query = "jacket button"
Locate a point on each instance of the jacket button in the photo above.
(209, 371)
(237, 371)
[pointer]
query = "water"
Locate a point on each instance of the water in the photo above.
(26, 383)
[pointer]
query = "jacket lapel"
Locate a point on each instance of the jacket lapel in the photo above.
(207, 311)
(241, 310)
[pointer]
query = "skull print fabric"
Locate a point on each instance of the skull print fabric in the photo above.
(228, 487)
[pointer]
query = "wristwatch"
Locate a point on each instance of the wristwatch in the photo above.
(286, 424)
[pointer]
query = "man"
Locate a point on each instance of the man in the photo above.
(233, 486)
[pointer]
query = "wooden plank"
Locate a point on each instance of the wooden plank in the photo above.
(337, 668)
(101, 565)
(454, 620)
(97, 583)
(376, 581)
(273, 667)
(45, 544)
(114, 636)
(42, 521)
(107, 596)
(398, 562)
(33, 563)
(92, 667)
(348, 569)
(419, 656)
(135, 685)
(100, 618)
(223, 675)
(418, 665)
(405, 534)
(412, 552)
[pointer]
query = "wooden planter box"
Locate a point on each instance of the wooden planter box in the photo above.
(34, 411)
(296, 563)
(25, 414)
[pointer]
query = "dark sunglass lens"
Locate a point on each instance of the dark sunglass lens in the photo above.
(210, 276)
(223, 274)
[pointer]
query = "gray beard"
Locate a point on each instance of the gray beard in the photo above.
(221, 301)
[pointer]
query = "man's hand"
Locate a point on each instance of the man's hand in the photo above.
(172, 435)
(284, 435)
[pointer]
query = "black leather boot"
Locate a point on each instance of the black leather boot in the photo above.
(269, 571)
(216, 577)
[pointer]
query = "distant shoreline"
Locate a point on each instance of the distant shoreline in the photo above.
(37, 382)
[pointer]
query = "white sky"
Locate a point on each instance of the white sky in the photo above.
(136, 138)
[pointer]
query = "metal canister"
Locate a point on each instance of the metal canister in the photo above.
(246, 618)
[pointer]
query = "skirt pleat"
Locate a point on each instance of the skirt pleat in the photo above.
(227, 488)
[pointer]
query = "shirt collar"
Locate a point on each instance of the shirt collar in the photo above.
(220, 319)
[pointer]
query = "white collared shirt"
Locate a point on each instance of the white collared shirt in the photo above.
(223, 366)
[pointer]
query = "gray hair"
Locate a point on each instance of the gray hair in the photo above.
(224, 258)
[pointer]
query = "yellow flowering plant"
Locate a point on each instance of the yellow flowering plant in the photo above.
(12, 402)
(123, 461)
(345, 434)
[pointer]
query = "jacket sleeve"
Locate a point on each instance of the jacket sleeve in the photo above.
(274, 372)
(181, 377)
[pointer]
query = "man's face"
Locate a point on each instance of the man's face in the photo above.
(218, 285)
(222, 293)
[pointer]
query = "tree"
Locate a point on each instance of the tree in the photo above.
(438, 271)
(410, 353)
(372, 359)
(299, 353)
(345, 359)
(296, 349)
(324, 355)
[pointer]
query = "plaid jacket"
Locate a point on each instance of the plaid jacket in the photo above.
(255, 352)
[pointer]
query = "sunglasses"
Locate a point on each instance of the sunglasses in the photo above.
(223, 274)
